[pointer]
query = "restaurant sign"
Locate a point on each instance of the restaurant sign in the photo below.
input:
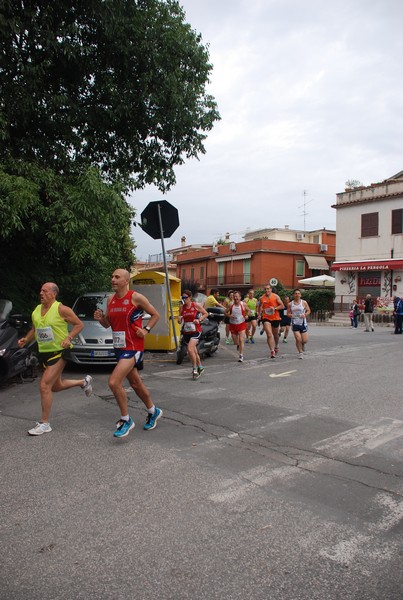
(371, 281)
(386, 265)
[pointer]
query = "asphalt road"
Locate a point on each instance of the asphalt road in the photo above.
(268, 480)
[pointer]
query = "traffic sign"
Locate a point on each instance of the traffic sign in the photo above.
(150, 219)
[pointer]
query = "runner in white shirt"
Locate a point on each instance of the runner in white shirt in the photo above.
(298, 310)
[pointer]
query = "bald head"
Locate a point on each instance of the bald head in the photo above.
(120, 281)
(122, 273)
(52, 287)
(48, 293)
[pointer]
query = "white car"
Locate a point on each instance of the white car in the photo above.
(94, 344)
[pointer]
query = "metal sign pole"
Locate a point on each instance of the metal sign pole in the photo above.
(167, 279)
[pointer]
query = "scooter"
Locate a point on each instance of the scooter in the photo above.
(14, 360)
(210, 336)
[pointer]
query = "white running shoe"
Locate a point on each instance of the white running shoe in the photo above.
(240, 359)
(301, 355)
(87, 387)
(40, 428)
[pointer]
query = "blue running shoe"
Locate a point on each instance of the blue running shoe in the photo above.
(151, 422)
(123, 427)
(201, 370)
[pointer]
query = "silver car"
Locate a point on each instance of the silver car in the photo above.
(94, 344)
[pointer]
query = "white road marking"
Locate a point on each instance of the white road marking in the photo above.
(355, 442)
(284, 374)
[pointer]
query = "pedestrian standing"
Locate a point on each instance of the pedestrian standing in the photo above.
(298, 310)
(398, 315)
(368, 310)
(50, 321)
(356, 312)
(124, 314)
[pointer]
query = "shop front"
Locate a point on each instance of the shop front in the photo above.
(356, 279)
(369, 282)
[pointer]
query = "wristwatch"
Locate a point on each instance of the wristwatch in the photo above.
(148, 329)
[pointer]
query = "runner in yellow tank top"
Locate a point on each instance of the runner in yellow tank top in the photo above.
(50, 329)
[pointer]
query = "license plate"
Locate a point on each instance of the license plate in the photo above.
(95, 353)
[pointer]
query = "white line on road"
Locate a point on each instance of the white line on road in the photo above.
(355, 442)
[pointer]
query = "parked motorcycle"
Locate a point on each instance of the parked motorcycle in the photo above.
(210, 336)
(14, 360)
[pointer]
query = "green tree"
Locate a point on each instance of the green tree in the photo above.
(97, 97)
(319, 299)
(72, 231)
(118, 84)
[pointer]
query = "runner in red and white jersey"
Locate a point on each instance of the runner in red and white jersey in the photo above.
(238, 313)
(191, 315)
(124, 315)
(125, 319)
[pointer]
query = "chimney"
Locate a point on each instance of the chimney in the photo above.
(227, 235)
(183, 241)
(286, 227)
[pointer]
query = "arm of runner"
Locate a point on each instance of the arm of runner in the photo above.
(101, 318)
(68, 315)
(27, 339)
(306, 307)
(142, 302)
(289, 313)
(280, 303)
(201, 310)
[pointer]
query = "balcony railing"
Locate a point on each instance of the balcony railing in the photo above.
(233, 281)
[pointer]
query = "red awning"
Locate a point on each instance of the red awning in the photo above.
(390, 264)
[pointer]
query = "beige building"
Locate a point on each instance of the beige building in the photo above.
(369, 243)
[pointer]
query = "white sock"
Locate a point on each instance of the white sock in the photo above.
(126, 418)
(151, 411)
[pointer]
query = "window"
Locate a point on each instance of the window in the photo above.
(397, 220)
(300, 268)
(192, 274)
(202, 273)
(369, 224)
(220, 273)
(183, 273)
(246, 271)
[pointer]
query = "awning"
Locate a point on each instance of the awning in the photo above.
(317, 262)
(390, 264)
(233, 257)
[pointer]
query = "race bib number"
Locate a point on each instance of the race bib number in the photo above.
(45, 334)
(189, 327)
(269, 311)
(252, 313)
(119, 339)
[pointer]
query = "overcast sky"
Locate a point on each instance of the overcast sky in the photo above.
(310, 94)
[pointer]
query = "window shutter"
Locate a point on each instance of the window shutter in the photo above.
(369, 224)
(397, 220)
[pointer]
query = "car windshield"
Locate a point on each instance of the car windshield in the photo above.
(85, 306)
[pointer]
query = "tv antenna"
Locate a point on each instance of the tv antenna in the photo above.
(303, 206)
